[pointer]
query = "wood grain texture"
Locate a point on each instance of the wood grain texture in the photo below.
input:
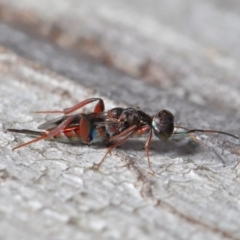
(48, 191)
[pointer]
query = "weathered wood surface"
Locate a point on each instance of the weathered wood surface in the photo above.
(48, 191)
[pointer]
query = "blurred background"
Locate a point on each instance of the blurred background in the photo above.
(144, 53)
(181, 55)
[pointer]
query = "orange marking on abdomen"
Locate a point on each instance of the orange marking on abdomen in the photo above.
(70, 133)
(77, 132)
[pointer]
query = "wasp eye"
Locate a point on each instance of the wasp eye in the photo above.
(163, 124)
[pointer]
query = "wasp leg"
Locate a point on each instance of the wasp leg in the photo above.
(61, 126)
(85, 129)
(142, 131)
(98, 108)
(46, 135)
(147, 145)
(126, 134)
(138, 132)
(32, 141)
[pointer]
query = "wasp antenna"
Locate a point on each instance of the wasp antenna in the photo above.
(205, 131)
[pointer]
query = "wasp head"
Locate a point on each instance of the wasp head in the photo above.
(163, 124)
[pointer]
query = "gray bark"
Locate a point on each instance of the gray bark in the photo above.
(48, 190)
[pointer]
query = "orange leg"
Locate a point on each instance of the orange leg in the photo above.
(46, 135)
(144, 130)
(98, 108)
(60, 127)
(124, 133)
(32, 141)
(127, 133)
(84, 129)
(147, 145)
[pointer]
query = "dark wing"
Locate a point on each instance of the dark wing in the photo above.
(53, 123)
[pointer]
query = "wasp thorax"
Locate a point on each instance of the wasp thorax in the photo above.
(163, 124)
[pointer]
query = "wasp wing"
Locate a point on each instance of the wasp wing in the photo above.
(53, 123)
